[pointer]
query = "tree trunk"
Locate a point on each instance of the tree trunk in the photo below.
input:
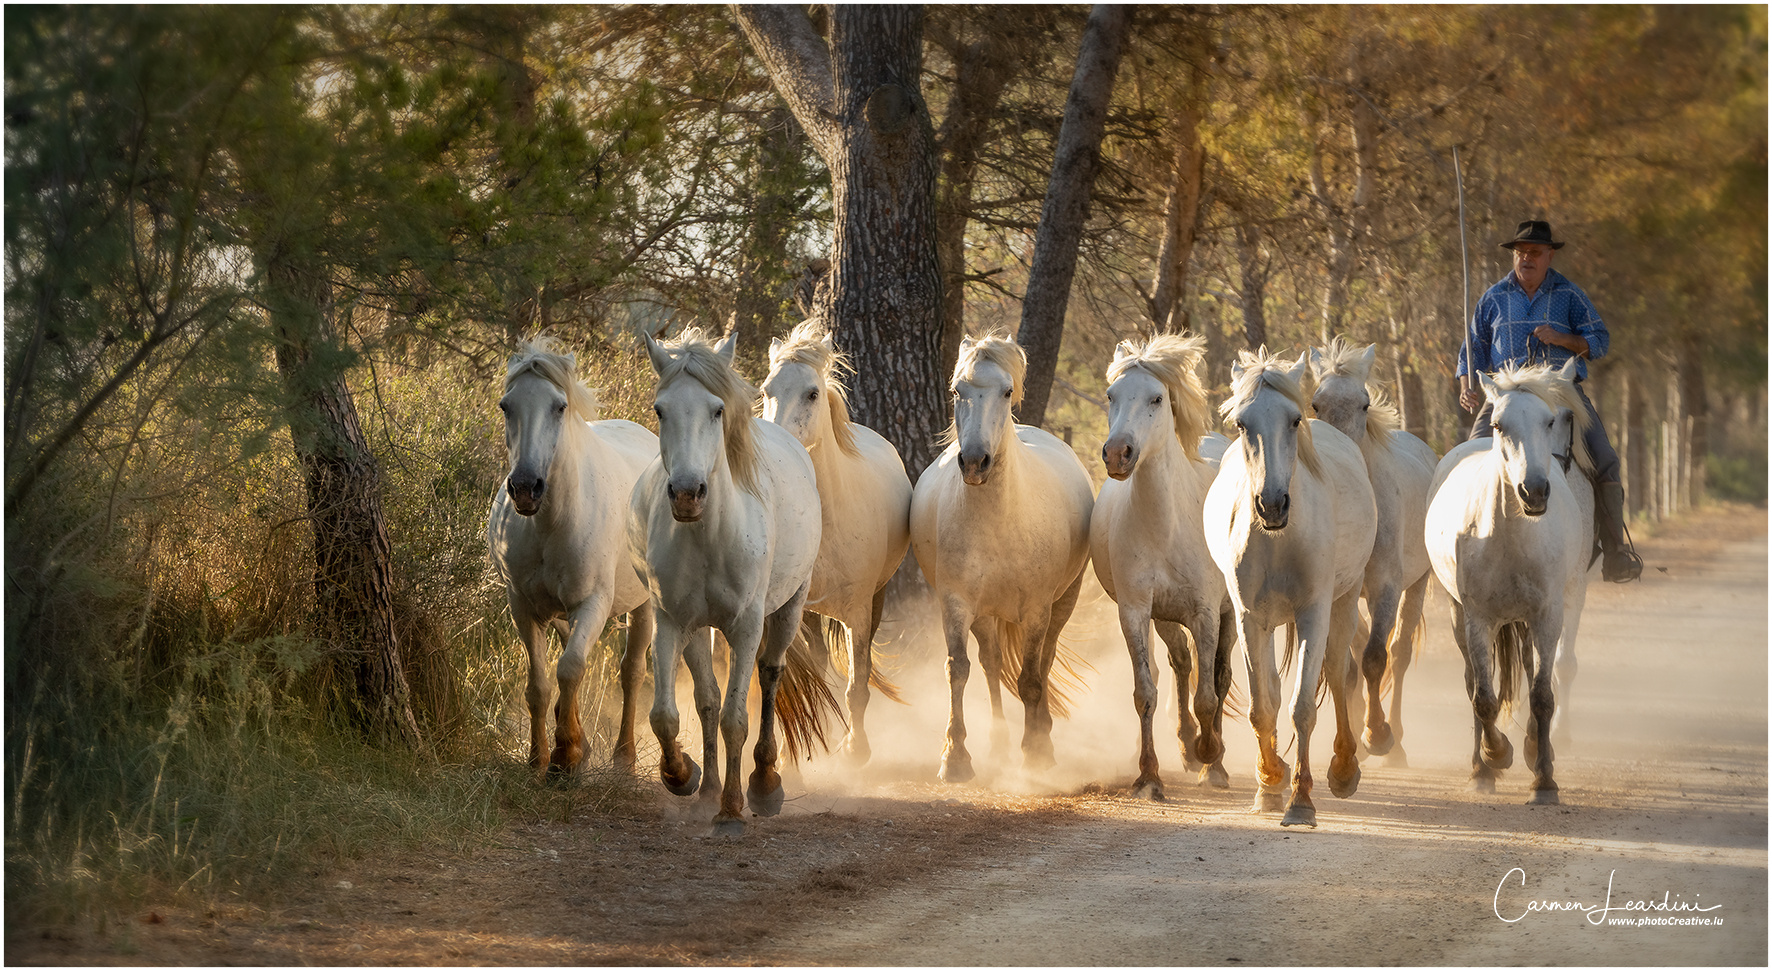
(1347, 228)
(1697, 402)
(1633, 450)
(353, 563)
(1181, 211)
(1077, 159)
(981, 74)
(860, 102)
(1254, 290)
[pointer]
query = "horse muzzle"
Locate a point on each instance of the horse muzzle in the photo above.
(1534, 498)
(525, 495)
(1273, 513)
(1120, 458)
(975, 468)
(688, 502)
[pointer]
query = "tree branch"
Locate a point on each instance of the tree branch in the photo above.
(799, 62)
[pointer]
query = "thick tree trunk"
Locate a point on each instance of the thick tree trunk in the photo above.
(860, 102)
(981, 74)
(1077, 159)
(1347, 225)
(353, 563)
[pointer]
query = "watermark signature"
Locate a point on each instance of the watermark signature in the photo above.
(1672, 910)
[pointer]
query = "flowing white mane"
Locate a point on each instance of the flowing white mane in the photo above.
(1343, 358)
(693, 354)
(809, 344)
(1550, 386)
(1173, 360)
(1261, 369)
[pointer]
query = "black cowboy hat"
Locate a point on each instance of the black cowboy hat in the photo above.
(1533, 231)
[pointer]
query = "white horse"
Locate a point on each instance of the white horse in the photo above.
(1510, 534)
(1400, 467)
(1290, 521)
(1149, 550)
(725, 528)
(1000, 527)
(865, 496)
(556, 538)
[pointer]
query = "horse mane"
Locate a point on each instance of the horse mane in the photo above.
(548, 359)
(1261, 368)
(992, 348)
(806, 344)
(1172, 359)
(693, 353)
(1340, 357)
(1555, 390)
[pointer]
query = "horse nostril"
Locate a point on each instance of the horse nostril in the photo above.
(702, 491)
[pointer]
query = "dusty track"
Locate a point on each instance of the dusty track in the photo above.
(1664, 793)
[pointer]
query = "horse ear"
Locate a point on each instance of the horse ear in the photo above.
(1367, 358)
(727, 347)
(1301, 368)
(774, 345)
(1316, 361)
(966, 344)
(1124, 349)
(1571, 370)
(1236, 370)
(659, 356)
(1490, 390)
(829, 341)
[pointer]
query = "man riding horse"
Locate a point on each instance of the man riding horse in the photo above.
(1534, 315)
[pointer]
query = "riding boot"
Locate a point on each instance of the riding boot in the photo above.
(1621, 563)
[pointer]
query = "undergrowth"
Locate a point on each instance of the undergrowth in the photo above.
(172, 730)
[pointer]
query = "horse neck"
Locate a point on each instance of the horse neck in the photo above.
(1165, 476)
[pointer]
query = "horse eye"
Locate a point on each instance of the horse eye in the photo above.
(812, 395)
(560, 409)
(1157, 400)
(1005, 394)
(719, 413)
(1296, 422)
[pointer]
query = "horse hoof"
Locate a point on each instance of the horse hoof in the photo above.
(1484, 784)
(686, 788)
(764, 801)
(1397, 759)
(1544, 797)
(956, 769)
(1151, 789)
(1191, 764)
(856, 751)
(725, 825)
(1300, 814)
(1215, 776)
(1379, 742)
(1343, 786)
(1038, 757)
(1501, 756)
(1269, 802)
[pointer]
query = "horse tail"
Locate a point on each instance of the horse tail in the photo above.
(1062, 680)
(1513, 647)
(804, 700)
(830, 632)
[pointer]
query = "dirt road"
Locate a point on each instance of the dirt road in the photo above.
(1664, 795)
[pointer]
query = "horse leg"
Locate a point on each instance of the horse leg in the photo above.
(956, 762)
(764, 794)
(1402, 654)
(1566, 667)
(1135, 626)
(633, 670)
(1264, 711)
(1545, 642)
(1373, 661)
(570, 754)
(861, 671)
(1214, 774)
(1474, 640)
(535, 645)
(1313, 627)
(990, 657)
(1181, 662)
(1041, 649)
(744, 637)
(698, 655)
(1344, 766)
(676, 769)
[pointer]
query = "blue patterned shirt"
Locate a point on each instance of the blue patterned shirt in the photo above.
(1501, 329)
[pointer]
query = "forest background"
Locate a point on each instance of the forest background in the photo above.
(264, 267)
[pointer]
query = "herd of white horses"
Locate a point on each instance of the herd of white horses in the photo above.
(750, 514)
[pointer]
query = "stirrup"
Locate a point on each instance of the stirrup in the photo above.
(1622, 566)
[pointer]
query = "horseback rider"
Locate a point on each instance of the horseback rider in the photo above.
(1534, 315)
